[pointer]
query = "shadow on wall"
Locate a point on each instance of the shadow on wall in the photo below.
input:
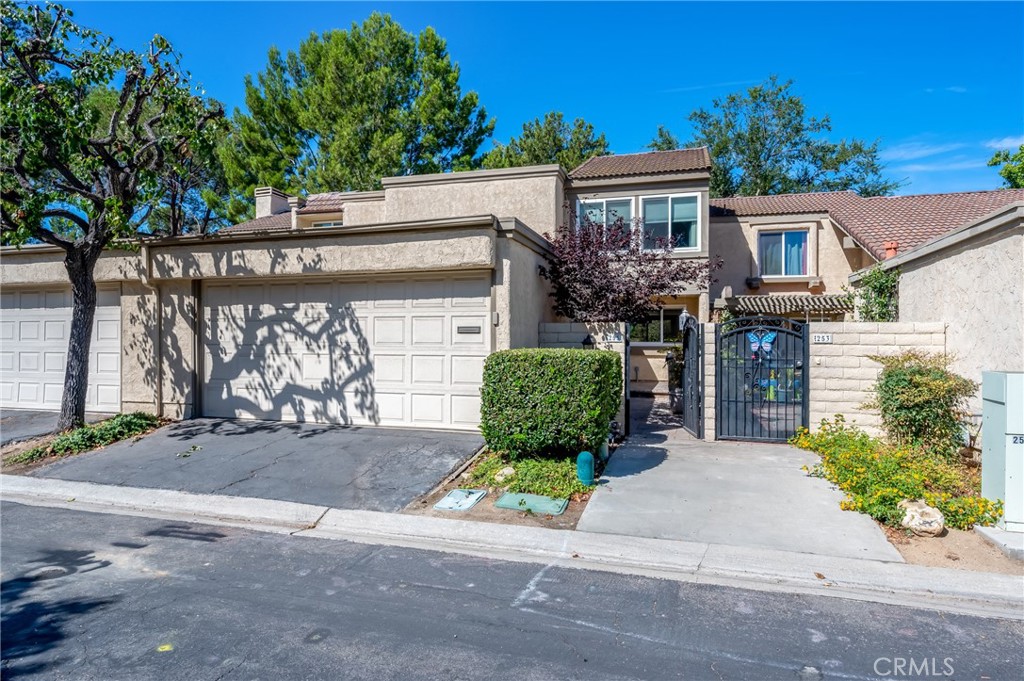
(291, 352)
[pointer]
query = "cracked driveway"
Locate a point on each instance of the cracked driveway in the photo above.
(375, 469)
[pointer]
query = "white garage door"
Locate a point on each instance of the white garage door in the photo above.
(387, 352)
(34, 327)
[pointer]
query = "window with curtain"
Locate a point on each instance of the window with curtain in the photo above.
(782, 254)
(671, 218)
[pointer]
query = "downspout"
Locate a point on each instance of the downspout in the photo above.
(144, 279)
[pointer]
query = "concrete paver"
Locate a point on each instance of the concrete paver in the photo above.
(666, 484)
(379, 469)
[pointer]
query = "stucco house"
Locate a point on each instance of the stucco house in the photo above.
(972, 279)
(379, 307)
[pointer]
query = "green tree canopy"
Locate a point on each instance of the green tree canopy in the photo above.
(350, 107)
(763, 142)
(664, 140)
(552, 140)
(1012, 170)
(76, 175)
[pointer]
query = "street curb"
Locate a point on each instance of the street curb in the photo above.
(262, 514)
(974, 593)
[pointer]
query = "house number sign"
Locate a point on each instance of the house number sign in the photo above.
(821, 338)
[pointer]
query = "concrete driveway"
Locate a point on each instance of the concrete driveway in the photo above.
(377, 469)
(666, 484)
(21, 424)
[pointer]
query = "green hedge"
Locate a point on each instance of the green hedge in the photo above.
(557, 402)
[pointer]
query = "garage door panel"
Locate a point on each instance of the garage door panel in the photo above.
(389, 331)
(428, 408)
(377, 352)
(428, 370)
(428, 330)
(465, 410)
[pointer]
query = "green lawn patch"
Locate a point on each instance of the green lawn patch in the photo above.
(120, 427)
(876, 476)
(547, 476)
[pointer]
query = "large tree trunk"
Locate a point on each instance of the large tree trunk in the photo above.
(80, 266)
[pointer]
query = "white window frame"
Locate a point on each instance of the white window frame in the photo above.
(328, 223)
(784, 231)
(661, 325)
(700, 217)
(604, 211)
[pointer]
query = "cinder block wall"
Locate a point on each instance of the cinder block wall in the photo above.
(709, 382)
(608, 336)
(841, 375)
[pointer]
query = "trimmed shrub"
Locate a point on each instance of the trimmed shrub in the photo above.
(556, 402)
(922, 403)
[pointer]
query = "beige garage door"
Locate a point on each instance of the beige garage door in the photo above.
(34, 327)
(387, 352)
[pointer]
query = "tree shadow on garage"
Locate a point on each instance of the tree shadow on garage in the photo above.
(254, 374)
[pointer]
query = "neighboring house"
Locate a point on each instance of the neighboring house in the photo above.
(972, 279)
(380, 307)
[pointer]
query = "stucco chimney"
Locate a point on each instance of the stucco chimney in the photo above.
(270, 201)
(891, 248)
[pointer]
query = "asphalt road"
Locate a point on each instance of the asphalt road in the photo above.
(90, 596)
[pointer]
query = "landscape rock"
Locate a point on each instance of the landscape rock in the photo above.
(921, 519)
(505, 472)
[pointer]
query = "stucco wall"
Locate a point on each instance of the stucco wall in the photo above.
(142, 331)
(528, 301)
(842, 376)
(978, 288)
(39, 266)
(735, 240)
(440, 249)
(533, 199)
(365, 212)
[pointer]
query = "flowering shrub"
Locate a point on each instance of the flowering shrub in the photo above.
(922, 402)
(876, 477)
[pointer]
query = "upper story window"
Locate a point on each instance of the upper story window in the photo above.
(671, 218)
(606, 212)
(782, 254)
(330, 223)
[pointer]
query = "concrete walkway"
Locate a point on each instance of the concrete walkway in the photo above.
(665, 484)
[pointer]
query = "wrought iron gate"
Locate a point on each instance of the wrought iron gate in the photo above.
(761, 378)
(691, 385)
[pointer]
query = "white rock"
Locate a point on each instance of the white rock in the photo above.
(505, 472)
(921, 519)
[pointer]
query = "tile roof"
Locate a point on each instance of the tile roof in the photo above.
(271, 223)
(909, 220)
(648, 163)
(328, 202)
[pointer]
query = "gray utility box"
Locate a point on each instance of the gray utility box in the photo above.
(1002, 444)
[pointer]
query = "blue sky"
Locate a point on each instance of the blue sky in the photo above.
(941, 84)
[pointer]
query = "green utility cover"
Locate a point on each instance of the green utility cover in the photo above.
(532, 502)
